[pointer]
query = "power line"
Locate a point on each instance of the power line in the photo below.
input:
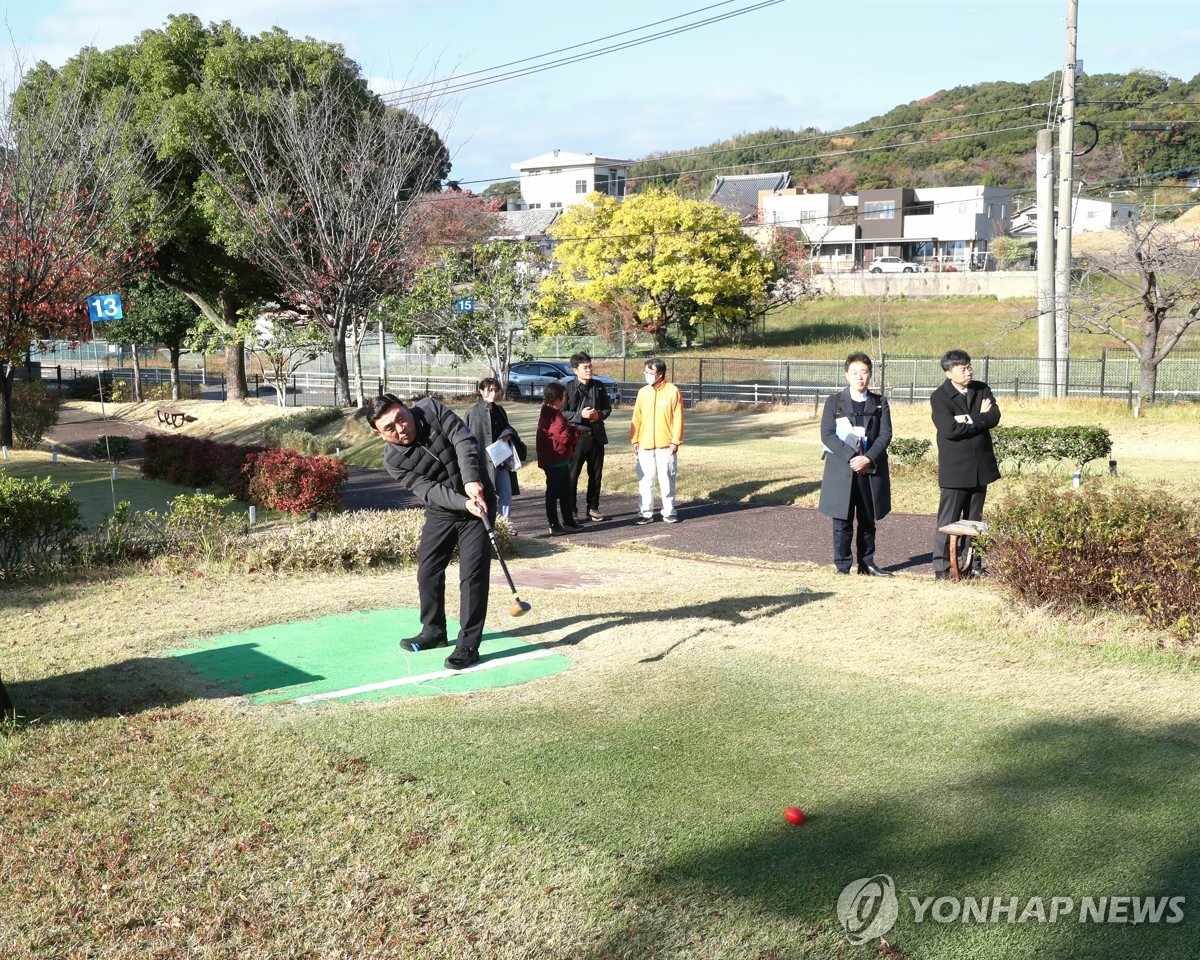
(550, 53)
(400, 97)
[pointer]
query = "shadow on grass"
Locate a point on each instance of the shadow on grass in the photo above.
(748, 490)
(145, 683)
(1051, 809)
(727, 612)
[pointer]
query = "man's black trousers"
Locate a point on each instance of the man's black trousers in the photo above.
(862, 509)
(588, 451)
(441, 532)
(955, 505)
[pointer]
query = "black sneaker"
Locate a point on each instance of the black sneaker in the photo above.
(460, 659)
(421, 642)
(642, 521)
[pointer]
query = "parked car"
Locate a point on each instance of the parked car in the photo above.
(526, 379)
(895, 265)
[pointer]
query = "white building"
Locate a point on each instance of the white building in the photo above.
(943, 227)
(1088, 215)
(561, 179)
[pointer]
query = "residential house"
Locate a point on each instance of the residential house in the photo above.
(1088, 215)
(532, 226)
(560, 179)
(941, 227)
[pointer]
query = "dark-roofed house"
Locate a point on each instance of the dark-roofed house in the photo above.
(529, 225)
(740, 194)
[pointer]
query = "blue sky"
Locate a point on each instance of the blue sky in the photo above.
(797, 63)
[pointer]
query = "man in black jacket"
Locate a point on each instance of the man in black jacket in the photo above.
(964, 412)
(586, 408)
(431, 452)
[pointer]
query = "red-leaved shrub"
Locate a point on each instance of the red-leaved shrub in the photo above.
(286, 480)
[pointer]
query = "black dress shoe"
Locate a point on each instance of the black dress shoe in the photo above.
(868, 570)
(421, 642)
(941, 575)
(460, 659)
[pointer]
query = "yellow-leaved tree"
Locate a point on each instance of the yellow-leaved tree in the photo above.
(669, 263)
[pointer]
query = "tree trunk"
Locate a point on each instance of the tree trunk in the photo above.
(235, 354)
(6, 424)
(1147, 380)
(174, 373)
(360, 395)
(341, 372)
(137, 375)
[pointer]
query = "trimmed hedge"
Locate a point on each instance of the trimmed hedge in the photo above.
(907, 451)
(34, 411)
(194, 462)
(1119, 546)
(111, 448)
(1033, 446)
(38, 521)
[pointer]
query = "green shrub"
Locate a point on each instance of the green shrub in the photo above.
(304, 421)
(906, 451)
(1121, 547)
(125, 537)
(199, 525)
(38, 521)
(111, 448)
(34, 411)
(87, 386)
(1033, 446)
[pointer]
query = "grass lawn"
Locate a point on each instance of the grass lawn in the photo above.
(631, 805)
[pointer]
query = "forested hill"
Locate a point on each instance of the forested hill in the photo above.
(1147, 130)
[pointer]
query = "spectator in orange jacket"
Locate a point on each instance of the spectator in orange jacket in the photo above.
(556, 440)
(656, 432)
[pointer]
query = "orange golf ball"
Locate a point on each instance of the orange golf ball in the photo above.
(794, 815)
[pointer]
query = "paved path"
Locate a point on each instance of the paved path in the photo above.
(730, 530)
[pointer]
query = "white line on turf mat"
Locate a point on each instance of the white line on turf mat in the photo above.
(501, 661)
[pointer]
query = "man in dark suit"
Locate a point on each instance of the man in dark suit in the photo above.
(964, 412)
(856, 428)
(430, 451)
(586, 408)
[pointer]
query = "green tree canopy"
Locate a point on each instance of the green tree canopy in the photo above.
(673, 263)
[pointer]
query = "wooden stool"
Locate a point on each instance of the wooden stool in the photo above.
(956, 531)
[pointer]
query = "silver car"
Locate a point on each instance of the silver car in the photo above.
(527, 378)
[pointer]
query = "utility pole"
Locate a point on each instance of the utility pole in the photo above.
(1047, 368)
(1066, 172)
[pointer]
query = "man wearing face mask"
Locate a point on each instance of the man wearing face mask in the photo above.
(656, 431)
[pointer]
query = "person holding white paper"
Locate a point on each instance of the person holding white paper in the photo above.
(856, 428)
(489, 422)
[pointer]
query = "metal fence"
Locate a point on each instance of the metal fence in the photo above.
(904, 379)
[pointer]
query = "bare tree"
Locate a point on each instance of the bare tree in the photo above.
(282, 343)
(74, 202)
(318, 186)
(1145, 293)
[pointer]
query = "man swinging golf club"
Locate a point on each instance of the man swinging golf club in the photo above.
(430, 451)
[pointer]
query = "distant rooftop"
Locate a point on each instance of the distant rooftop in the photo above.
(527, 224)
(740, 194)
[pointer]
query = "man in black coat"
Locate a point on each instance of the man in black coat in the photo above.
(964, 412)
(586, 408)
(856, 428)
(430, 451)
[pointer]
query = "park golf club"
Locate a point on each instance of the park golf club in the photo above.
(519, 606)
